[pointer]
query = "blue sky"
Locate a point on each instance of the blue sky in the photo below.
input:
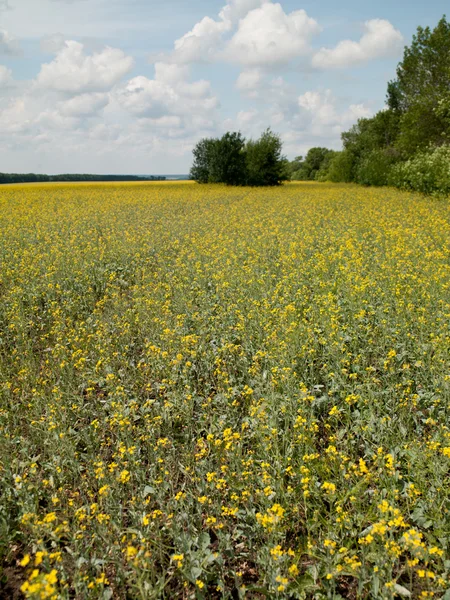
(114, 86)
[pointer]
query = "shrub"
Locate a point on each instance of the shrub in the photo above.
(374, 168)
(341, 167)
(427, 172)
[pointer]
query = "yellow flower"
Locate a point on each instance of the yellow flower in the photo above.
(25, 560)
(178, 558)
(124, 476)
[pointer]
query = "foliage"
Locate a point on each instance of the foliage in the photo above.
(341, 167)
(422, 81)
(322, 173)
(212, 392)
(375, 167)
(316, 160)
(203, 153)
(265, 164)
(294, 165)
(380, 131)
(227, 163)
(233, 161)
(68, 177)
(427, 172)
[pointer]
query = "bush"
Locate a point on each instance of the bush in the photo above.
(374, 168)
(427, 172)
(341, 167)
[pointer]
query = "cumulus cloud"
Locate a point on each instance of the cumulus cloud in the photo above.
(380, 39)
(200, 44)
(269, 36)
(74, 71)
(261, 33)
(168, 94)
(8, 44)
(249, 81)
(203, 41)
(236, 9)
(5, 76)
(319, 108)
(84, 105)
(16, 117)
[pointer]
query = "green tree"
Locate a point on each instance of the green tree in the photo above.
(227, 164)
(423, 79)
(316, 160)
(342, 167)
(203, 155)
(322, 173)
(294, 166)
(265, 164)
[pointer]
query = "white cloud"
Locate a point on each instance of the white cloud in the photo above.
(320, 110)
(171, 73)
(262, 34)
(8, 44)
(84, 105)
(203, 41)
(5, 76)
(236, 9)
(169, 93)
(380, 40)
(268, 36)
(200, 44)
(15, 118)
(166, 122)
(74, 71)
(249, 81)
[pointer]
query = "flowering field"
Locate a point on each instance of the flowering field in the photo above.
(213, 392)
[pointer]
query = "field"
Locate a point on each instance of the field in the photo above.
(212, 392)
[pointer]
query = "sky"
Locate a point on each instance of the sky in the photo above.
(129, 86)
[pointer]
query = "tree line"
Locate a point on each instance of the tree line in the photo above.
(35, 178)
(407, 143)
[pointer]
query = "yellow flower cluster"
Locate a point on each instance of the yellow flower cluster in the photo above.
(209, 391)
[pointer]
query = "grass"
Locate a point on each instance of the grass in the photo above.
(213, 392)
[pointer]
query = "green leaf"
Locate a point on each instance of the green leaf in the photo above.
(204, 540)
(195, 573)
(402, 591)
(148, 490)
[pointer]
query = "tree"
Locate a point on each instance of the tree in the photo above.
(265, 164)
(203, 153)
(309, 168)
(322, 173)
(342, 167)
(423, 79)
(228, 160)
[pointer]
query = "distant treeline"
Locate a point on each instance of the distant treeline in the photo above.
(33, 177)
(407, 144)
